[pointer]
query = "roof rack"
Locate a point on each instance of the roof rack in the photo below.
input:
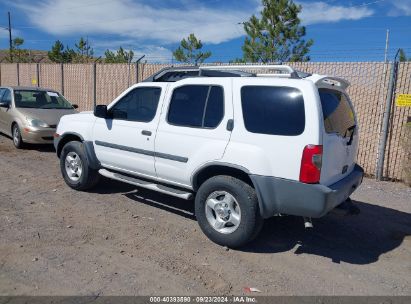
(277, 70)
(173, 74)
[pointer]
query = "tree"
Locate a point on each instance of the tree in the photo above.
(277, 36)
(190, 52)
(403, 57)
(84, 52)
(59, 54)
(121, 56)
(17, 42)
(238, 61)
(19, 54)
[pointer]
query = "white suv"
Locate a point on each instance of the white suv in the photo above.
(247, 146)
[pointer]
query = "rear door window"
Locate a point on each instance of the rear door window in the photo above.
(273, 110)
(337, 111)
(197, 106)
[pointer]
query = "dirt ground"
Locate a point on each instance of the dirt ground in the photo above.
(119, 240)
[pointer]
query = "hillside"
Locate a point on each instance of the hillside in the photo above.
(35, 55)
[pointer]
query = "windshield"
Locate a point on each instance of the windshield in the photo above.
(40, 100)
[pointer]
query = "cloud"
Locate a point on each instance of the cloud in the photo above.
(165, 22)
(3, 33)
(152, 27)
(400, 8)
(153, 53)
(135, 19)
(322, 12)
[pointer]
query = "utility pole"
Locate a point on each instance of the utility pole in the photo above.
(10, 41)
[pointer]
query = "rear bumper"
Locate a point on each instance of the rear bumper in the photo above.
(38, 136)
(278, 195)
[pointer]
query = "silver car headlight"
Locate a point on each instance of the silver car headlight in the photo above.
(33, 122)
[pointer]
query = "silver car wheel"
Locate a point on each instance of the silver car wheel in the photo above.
(16, 135)
(74, 166)
(223, 212)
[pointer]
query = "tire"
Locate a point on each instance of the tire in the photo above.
(16, 135)
(75, 168)
(219, 222)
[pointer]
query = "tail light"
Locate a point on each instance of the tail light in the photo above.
(311, 162)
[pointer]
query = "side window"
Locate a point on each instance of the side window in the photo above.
(6, 96)
(273, 110)
(337, 111)
(2, 92)
(138, 105)
(197, 106)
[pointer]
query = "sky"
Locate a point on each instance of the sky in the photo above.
(353, 30)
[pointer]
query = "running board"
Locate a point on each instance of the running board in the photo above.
(147, 185)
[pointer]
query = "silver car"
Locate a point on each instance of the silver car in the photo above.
(30, 115)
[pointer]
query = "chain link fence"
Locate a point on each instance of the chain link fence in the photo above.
(87, 84)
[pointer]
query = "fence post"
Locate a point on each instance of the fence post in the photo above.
(62, 78)
(386, 119)
(94, 85)
(38, 74)
(18, 74)
(138, 68)
(136, 72)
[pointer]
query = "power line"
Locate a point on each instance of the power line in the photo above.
(366, 4)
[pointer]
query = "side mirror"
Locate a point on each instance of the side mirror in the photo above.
(100, 111)
(75, 106)
(4, 104)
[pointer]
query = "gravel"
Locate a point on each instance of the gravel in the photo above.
(127, 241)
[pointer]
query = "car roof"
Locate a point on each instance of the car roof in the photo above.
(175, 74)
(24, 88)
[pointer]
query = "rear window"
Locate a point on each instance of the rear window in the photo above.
(273, 110)
(337, 111)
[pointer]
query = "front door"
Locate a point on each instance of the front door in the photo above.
(5, 119)
(125, 141)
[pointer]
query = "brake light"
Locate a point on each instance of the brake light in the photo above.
(311, 163)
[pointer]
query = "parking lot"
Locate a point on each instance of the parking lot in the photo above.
(119, 240)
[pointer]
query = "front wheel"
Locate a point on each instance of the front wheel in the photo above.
(17, 140)
(75, 167)
(227, 211)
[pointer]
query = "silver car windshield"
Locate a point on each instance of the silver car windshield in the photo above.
(40, 100)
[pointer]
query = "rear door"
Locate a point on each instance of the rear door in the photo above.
(340, 136)
(192, 128)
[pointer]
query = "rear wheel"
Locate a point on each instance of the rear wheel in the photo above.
(75, 167)
(227, 211)
(17, 140)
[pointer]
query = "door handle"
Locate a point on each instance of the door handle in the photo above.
(146, 133)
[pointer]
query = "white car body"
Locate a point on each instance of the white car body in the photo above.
(167, 154)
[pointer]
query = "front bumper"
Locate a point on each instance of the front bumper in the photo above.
(37, 135)
(276, 195)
